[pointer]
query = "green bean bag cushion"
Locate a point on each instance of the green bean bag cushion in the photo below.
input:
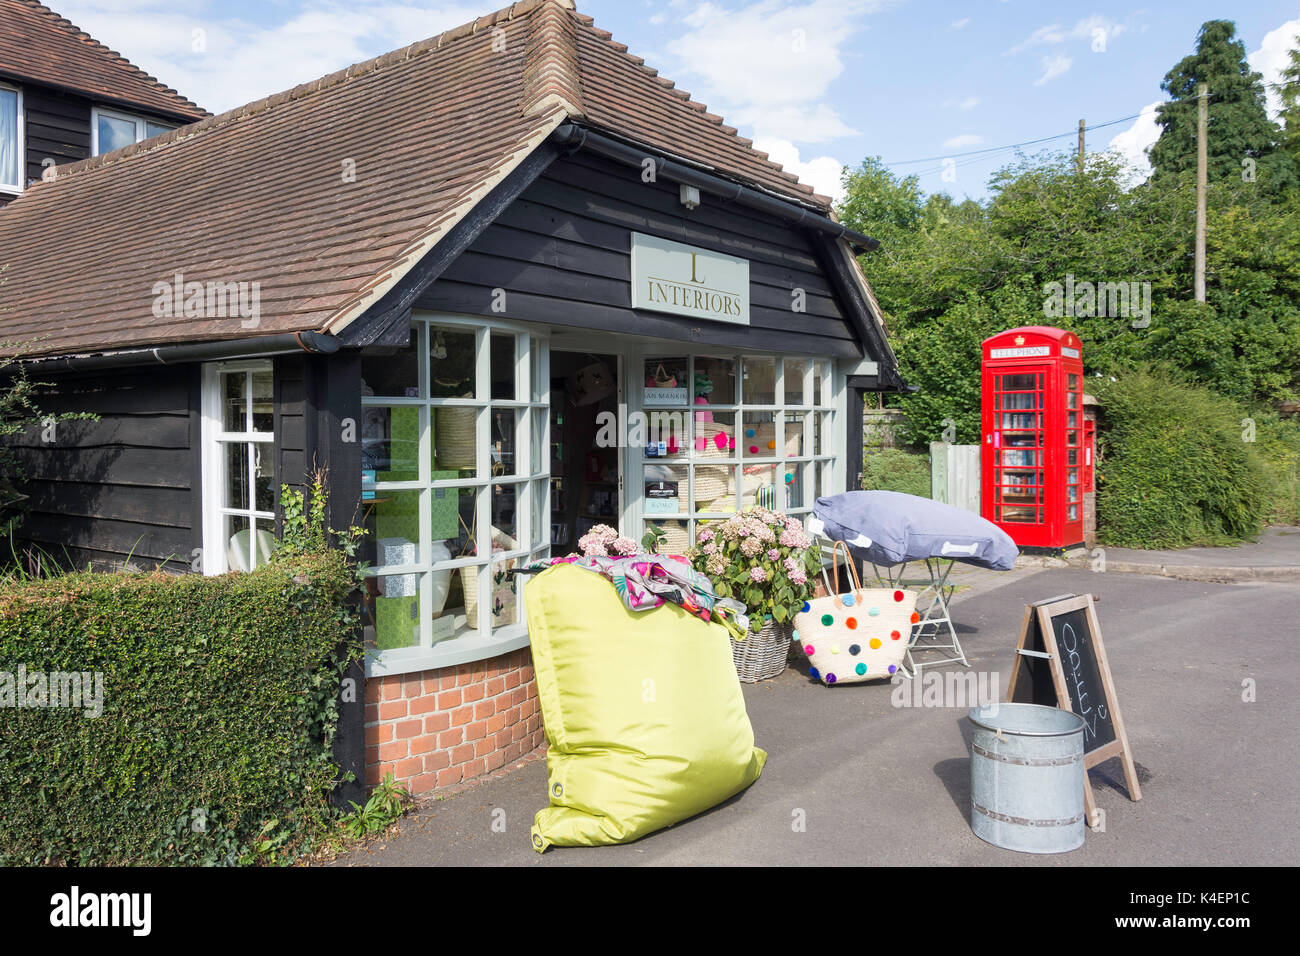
(643, 712)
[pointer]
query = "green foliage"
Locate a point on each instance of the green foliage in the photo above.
(219, 702)
(761, 558)
(1289, 92)
(1277, 442)
(1176, 467)
(386, 805)
(891, 469)
(1239, 127)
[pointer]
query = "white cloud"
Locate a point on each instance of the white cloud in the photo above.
(1272, 57)
(969, 103)
(958, 24)
(244, 61)
(769, 65)
(962, 141)
(822, 173)
(1053, 66)
(1097, 30)
(1132, 144)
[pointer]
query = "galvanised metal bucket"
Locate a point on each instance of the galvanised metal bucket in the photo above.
(1027, 777)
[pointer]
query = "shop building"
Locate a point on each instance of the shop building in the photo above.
(504, 284)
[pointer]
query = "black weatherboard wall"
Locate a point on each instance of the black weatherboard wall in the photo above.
(125, 487)
(561, 252)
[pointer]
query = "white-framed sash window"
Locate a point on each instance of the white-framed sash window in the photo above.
(239, 488)
(12, 159)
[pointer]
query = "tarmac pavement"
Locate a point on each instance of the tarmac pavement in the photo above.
(879, 784)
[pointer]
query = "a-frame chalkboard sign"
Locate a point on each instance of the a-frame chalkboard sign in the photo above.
(1061, 661)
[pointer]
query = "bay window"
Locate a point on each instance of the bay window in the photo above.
(454, 491)
(728, 432)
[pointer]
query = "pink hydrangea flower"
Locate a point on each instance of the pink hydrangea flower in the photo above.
(773, 554)
(757, 574)
(622, 545)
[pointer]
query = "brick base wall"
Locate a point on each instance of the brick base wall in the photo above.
(438, 728)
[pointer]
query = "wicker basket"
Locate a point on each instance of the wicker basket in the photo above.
(762, 655)
(455, 438)
(711, 481)
(676, 540)
(707, 442)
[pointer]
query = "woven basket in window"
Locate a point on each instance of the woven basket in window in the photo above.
(762, 655)
(454, 438)
(714, 441)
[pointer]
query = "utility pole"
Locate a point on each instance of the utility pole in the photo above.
(1202, 121)
(1081, 129)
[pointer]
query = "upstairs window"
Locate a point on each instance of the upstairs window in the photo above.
(11, 139)
(111, 130)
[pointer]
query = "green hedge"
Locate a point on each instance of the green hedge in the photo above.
(1180, 468)
(220, 698)
(891, 469)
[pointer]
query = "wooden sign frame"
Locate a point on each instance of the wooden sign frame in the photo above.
(1042, 612)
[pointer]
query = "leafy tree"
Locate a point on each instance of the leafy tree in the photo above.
(1239, 128)
(1289, 91)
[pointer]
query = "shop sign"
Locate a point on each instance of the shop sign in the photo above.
(1027, 351)
(685, 280)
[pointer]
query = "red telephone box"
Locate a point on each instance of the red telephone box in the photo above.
(1032, 457)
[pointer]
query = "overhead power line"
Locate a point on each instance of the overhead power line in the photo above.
(1010, 146)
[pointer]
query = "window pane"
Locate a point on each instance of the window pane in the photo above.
(391, 616)
(392, 523)
(537, 445)
(455, 442)
(263, 476)
(234, 415)
(504, 593)
(715, 488)
(154, 129)
(236, 475)
(392, 372)
(758, 438)
(503, 366)
(715, 381)
(794, 381)
(666, 433)
(769, 485)
(10, 165)
(822, 440)
(115, 133)
(715, 435)
(390, 443)
(821, 383)
(502, 453)
(793, 441)
(247, 549)
(665, 381)
(665, 489)
(263, 402)
(505, 517)
(539, 534)
(759, 385)
(452, 363)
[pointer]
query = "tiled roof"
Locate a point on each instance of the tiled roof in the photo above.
(37, 44)
(327, 194)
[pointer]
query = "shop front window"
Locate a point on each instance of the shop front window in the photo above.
(749, 430)
(454, 491)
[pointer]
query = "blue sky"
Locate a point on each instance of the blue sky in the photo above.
(817, 83)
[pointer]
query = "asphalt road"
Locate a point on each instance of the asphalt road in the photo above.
(878, 784)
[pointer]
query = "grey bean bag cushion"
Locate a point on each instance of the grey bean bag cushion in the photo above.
(888, 527)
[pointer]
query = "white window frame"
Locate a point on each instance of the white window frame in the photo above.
(141, 125)
(532, 405)
(831, 403)
(214, 438)
(21, 123)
